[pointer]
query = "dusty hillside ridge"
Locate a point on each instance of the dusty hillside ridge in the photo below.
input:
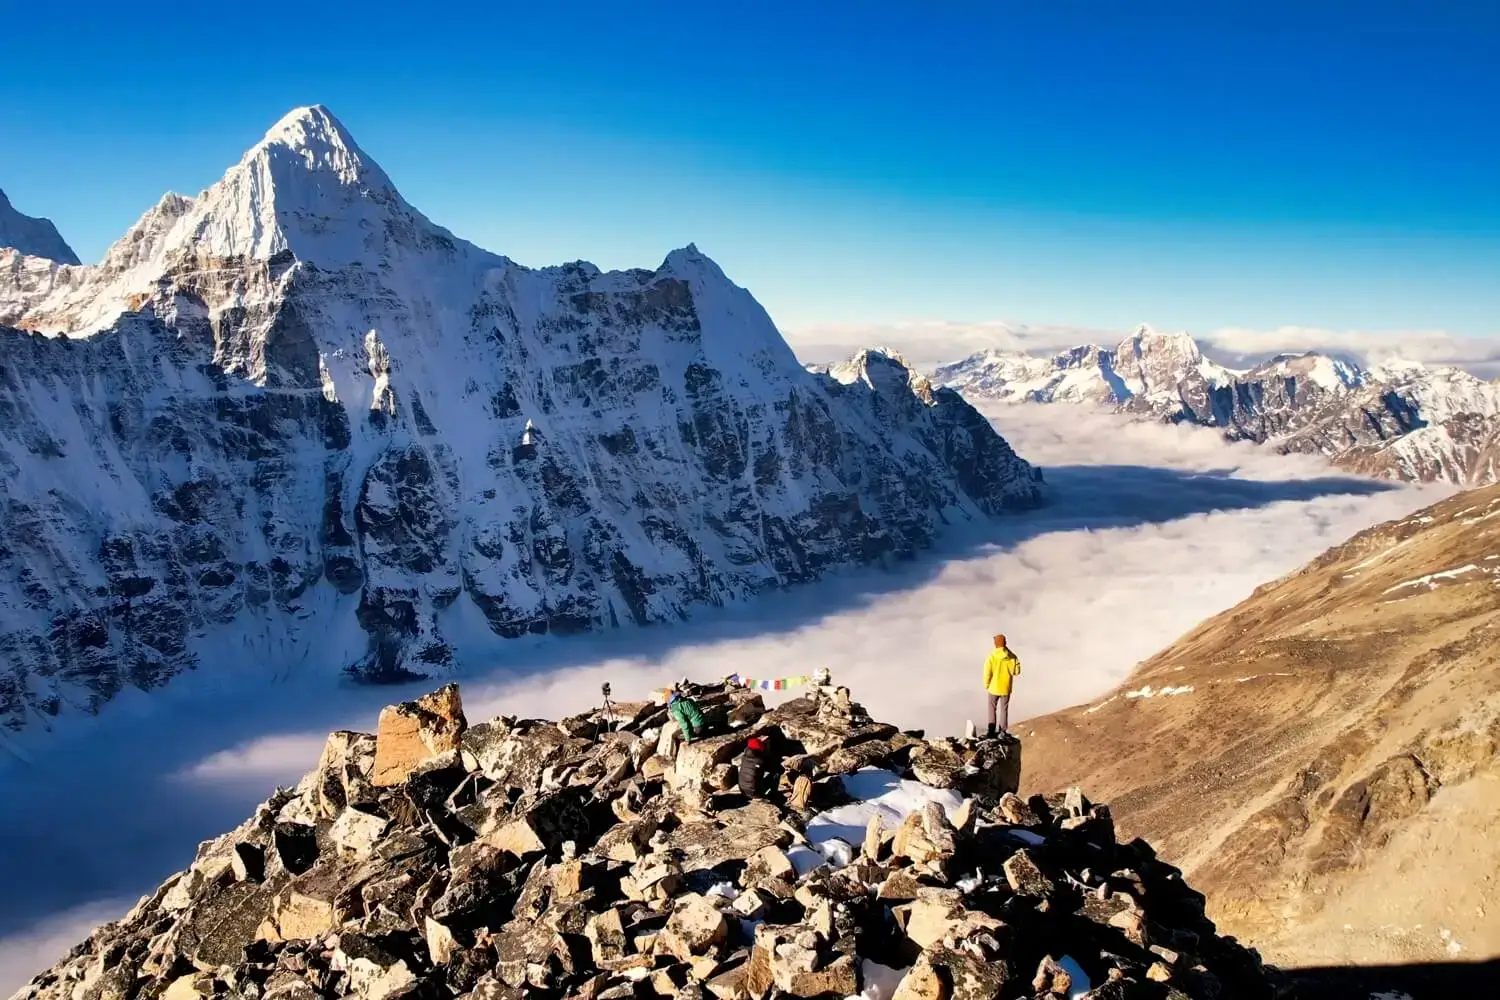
(292, 421)
(1396, 420)
(1323, 760)
(597, 858)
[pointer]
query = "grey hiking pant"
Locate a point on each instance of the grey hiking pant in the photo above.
(1002, 703)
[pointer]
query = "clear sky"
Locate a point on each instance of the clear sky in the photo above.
(1191, 164)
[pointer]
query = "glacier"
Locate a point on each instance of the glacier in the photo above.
(279, 427)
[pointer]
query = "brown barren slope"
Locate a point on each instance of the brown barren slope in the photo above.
(1332, 780)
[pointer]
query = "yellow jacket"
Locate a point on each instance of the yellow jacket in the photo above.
(999, 667)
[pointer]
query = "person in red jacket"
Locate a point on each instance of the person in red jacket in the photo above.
(752, 763)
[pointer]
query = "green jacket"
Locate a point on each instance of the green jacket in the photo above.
(685, 712)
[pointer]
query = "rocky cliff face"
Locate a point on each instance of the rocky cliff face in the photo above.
(596, 858)
(1399, 421)
(293, 421)
(35, 237)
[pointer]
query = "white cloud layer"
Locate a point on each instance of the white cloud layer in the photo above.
(1152, 529)
(928, 343)
(23, 953)
(1480, 355)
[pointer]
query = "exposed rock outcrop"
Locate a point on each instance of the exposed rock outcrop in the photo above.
(633, 878)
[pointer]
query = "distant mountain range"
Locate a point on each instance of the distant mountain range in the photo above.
(1398, 420)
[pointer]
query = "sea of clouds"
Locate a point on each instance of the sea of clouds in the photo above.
(1149, 530)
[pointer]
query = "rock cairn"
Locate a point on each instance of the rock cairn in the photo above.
(593, 858)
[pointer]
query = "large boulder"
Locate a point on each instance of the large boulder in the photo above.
(695, 928)
(356, 831)
(794, 960)
(374, 973)
(414, 732)
(344, 773)
(938, 915)
(993, 770)
(927, 839)
(697, 761)
(545, 825)
(826, 720)
(922, 982)
(985, 769)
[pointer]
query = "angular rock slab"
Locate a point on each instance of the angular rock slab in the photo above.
(415, 732)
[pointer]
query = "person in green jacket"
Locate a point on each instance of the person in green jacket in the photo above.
(1000, 667)
(685, 712)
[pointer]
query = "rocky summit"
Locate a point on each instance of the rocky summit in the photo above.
(292, 420)
(601, 858)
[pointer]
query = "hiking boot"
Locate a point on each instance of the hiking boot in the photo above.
(992, 731)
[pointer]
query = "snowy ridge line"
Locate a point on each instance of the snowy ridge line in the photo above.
(1397, 420)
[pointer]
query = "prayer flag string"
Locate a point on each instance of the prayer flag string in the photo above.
(769, 683)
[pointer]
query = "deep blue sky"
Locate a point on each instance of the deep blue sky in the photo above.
(1194, 165)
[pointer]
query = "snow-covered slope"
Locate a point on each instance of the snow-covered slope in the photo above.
(285, 422)
(1400, 419)
(33, 237)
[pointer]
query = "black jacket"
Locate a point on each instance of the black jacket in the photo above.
(751, 763)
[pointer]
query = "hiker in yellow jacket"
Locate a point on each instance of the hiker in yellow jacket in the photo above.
(999, 667)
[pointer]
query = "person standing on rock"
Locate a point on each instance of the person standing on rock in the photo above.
(999, 668)
(686, 713)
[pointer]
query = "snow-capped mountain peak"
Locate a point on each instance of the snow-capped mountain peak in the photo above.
(747, 334)
(313, 135)
(33, 237)
(1146, 334)
(294, 420)
(146, 241)
(306, 189)
(1151, 363)
(1328, 373)
(1146, 342)
(879, 368)
(1396, 367)
(304, 194)
(687, 259)
(691, 265)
